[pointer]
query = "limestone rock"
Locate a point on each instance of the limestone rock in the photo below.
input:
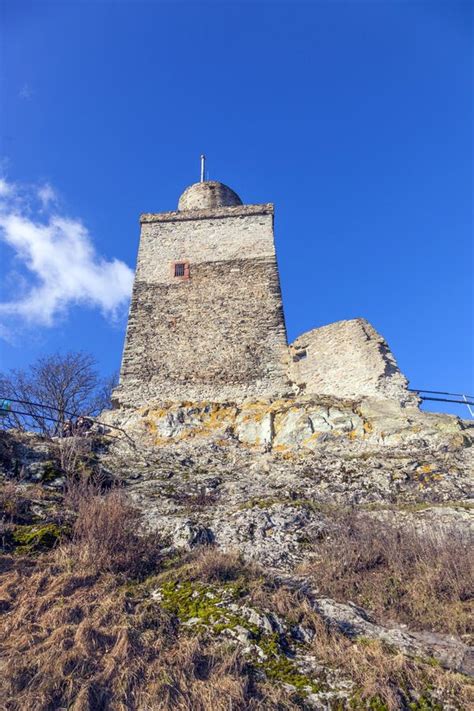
(272, 535)
(354, 622)
(189, 534)
(254, 430)
(29, 457)
(319, 453)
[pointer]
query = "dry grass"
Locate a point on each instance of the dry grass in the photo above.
(90, 642)
(14, 502)
(210, 565)
(108, 534)
(85, 642)
(386, 676)
(198, 500)
(425, 580)
(81, 631)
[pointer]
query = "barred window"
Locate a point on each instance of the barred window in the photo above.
(179, 269)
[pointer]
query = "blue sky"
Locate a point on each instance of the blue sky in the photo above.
(354, 118)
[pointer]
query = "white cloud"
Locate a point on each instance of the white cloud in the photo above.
(47, 195)
(60, 260)
(5, 188)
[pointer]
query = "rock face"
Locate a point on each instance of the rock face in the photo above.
(29, 458)
(354, 622)
(348, 359)
(262, 476)
(264, 479)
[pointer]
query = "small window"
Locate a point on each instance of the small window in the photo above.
(180, 270)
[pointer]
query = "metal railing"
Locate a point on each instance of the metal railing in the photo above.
(5, 409)
(457, 398)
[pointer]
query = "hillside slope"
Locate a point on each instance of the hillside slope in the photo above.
(306, 553)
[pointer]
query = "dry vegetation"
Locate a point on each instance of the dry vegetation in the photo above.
(424, 579)
(82, 629)
(79, 631)
(15, 502)
(107, 535)
(83, 643)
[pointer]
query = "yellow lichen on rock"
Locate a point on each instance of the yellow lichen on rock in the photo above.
(311, 439)
(368, 427)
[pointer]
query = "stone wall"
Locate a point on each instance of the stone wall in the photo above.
(220, 334)
(347, 359)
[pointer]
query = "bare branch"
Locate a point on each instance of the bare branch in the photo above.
(66, 383)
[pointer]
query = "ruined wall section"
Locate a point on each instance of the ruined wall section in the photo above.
(348, 359)
(220, 334)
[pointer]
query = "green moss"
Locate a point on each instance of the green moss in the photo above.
(206, 603)
(431, 661)
(309, 504)
(34, 538)
(50, 472)
(415, 506)
(375, 703)
(279, 667)
(260, 503)
(168, 490)
(172, 562)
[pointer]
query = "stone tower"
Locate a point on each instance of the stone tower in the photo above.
(206, 319)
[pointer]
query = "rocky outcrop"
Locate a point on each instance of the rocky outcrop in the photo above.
(293, 424)
(28, 457)
(263, 477)
(354, 622)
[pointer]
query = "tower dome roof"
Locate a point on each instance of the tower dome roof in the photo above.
(207, 195)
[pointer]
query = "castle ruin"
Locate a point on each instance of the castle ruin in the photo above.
(206, 320)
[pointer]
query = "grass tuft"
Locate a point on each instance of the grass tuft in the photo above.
(422, 578)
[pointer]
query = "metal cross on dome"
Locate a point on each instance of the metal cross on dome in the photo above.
(203, 167)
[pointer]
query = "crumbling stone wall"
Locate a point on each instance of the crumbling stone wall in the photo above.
(347, 359)
(219, 335)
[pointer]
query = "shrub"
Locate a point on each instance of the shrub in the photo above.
(421, 577)
(14, 503)
(108, 534)
(210, 565)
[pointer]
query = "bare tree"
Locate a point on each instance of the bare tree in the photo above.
(103, 396)
(54, 389)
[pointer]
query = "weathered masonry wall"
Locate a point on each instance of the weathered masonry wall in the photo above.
(348, 359)
(220, 334)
